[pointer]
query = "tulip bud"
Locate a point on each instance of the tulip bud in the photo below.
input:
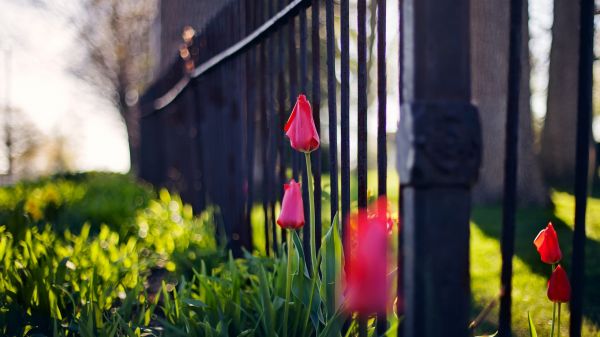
(292, 209)
(546, 243)
(300, 127)
(559, 289)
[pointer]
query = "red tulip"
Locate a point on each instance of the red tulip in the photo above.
(559, 289)
(366, 270)
(546, 243)
(292, 209)
(300, 127)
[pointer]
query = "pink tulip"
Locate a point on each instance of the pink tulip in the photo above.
(300, 127)
(546, 243)
(292, 209)
(366, 272)
(559, 288)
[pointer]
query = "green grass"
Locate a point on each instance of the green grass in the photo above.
(68, 228)
(530, 274)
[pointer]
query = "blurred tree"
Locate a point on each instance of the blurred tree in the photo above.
(489, 52)
(115, 37)
(559, 132)
(31, 152)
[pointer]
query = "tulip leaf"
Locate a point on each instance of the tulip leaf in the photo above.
(331, 266)
(302, 284)
(532, 331)
(265, 301)
(334, 324)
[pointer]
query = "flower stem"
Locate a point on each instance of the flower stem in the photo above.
(553, 309)
(288, 283)
(553, 318)
(311, 203)
(558, 330)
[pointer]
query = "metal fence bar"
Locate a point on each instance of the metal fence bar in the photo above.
(282, 149)
(316, 105)
(510, 165)
(250, 116)
(264, 129)
(293, 64)
(362, 119)
(584, 113)
(331, 100)
(271, 24)
(362, 104)
(272, 131)
(301, 158)
(345, 113)
(381, 100)
(381, 123)
(400, 257)
(436, 182)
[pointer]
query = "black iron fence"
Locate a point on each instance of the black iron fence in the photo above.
(212, 130)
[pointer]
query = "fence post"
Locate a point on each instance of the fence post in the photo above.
(439, 143)
(584, 118)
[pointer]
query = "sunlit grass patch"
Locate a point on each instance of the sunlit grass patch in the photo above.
(530, 275)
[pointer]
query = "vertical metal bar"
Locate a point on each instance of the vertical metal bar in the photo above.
(381, 99)
(283, 149)
(250, 116)
(362, 123)
(400, 261)
(316, 105)
(584, 113)
(362, 104)
(331, 98)
(436, 181)
(345, 113)
(381, 123)
(302, 159)
(273, 123)
(510, 164)
(292, 59)
(345, 127)
(264, 129)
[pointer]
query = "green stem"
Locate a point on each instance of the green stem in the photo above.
(553, 310)
(311, 203)
(553, 318)
(288, 283)
(558, 330)
(309, 309)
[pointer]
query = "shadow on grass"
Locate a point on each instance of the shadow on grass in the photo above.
(529, 223)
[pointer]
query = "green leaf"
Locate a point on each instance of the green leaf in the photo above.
(331, 266)
(532, 331)
(194, 303)
(302, 284)
(265, 301)
(334, 325)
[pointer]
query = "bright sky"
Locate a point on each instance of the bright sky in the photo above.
(43, 48)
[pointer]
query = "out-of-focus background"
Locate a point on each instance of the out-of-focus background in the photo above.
(72, 71)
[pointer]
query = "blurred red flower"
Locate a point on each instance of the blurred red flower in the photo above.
(366, 269)
(546, 243)
(292, 209)
(300, 127)
(559, 288)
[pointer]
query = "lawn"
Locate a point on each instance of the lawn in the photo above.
(105, 252)
(530, 274)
